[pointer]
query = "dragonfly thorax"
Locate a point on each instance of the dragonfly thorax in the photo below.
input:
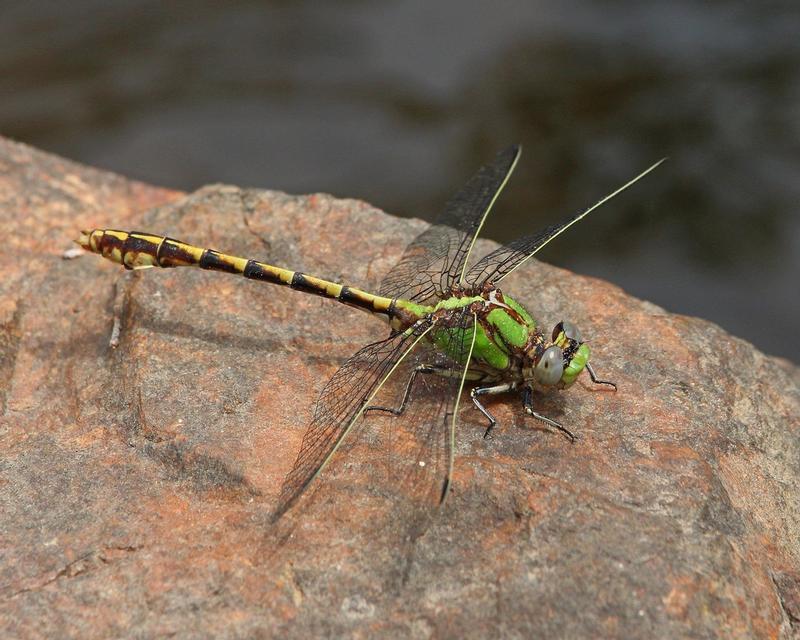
(508, 344)
(532, 358)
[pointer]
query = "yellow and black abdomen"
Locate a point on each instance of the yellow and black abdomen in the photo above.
(136, 250)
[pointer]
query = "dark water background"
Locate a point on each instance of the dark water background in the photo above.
(398, 102)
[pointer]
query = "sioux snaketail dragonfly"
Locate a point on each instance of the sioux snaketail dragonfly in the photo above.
(449, 322)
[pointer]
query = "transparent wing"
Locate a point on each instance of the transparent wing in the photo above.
(424, 435)
(496, 265)
(434, 262)
(499, 263)
(341, 404)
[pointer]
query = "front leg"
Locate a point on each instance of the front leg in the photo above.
(527, 404)
(596, 380)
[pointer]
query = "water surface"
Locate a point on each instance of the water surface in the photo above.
(398, 102)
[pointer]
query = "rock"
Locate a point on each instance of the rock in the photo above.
(137, 483)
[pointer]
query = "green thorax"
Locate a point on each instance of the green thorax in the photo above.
(502, 331)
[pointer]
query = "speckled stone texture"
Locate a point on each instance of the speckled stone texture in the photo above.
(137, 483)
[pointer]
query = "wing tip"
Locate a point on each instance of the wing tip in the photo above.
(286, 500)
(514, 150)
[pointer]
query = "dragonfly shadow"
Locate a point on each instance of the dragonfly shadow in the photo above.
(204, 473)
(221, 338)
(182, 460)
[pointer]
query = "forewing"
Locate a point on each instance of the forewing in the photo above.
(499, 263)
(435, 260)
(341, 404)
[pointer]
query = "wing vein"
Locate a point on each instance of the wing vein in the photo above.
(337, 411)
(496, 265)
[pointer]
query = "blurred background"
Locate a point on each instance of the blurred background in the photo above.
(398, 102)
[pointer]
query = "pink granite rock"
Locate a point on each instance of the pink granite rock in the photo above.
(137, 483)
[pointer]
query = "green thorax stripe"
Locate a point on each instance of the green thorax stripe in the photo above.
(136, 250)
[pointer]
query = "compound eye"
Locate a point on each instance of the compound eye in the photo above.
(569, 329)
(550, 366)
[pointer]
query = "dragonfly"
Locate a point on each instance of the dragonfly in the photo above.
(450, 326)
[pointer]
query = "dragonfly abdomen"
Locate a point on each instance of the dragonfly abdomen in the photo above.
(136, 250)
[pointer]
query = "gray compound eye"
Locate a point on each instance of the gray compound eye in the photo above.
(550, 366)
(569, 329)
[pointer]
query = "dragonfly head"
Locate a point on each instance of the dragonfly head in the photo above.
(560, 362)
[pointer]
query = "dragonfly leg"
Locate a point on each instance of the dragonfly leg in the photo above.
(527, 395)
(483, 391)
(397, 411)
(597, 380)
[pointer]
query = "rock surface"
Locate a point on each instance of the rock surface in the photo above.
(137, 483)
